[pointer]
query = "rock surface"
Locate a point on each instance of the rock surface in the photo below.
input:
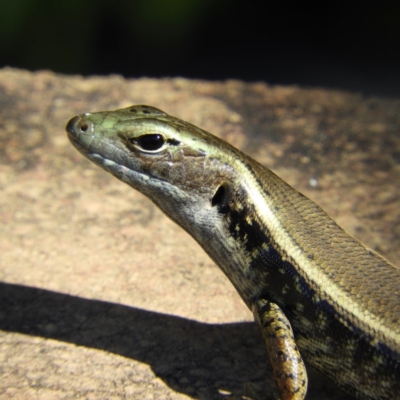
(102, 297)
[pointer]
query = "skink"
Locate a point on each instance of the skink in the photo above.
(317, 293)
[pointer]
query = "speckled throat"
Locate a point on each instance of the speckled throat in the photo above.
(316, 292)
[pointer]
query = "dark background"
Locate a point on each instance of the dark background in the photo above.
(345, 45)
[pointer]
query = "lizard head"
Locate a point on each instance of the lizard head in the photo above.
(177, 165)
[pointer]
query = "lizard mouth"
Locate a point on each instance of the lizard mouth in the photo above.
(130, 176)
(77, 144)
(80, 134)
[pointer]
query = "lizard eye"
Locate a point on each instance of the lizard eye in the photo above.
(150, 142)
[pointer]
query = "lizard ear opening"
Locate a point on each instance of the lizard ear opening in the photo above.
(220, 199)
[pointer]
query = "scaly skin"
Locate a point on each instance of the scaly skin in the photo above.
(313, 289)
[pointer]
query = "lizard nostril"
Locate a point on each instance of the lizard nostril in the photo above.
(84, 127)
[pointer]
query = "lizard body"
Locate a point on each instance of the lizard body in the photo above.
(313, 289)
